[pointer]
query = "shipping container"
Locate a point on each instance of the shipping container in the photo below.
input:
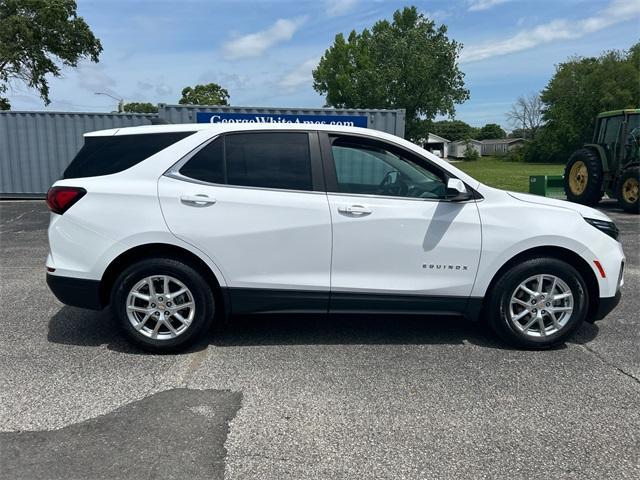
(36, 147)
(390, 121)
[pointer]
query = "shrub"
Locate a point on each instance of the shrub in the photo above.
(515, 155)
(470, 153)
(542, 150)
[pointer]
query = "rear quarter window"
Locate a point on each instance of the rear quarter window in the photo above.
(107, 155)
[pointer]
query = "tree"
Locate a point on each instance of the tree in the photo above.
(37, 37)
(580, 89)
(209, 94)
(519, 133)
(526, 114)
(140, 107)
(470, 153)
(491, 131)
(452, 129)
(4, 104)
(408, 63)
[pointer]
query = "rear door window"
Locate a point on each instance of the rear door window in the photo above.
(207, 164)
(269, 160)
(263, 159)
(107, 155)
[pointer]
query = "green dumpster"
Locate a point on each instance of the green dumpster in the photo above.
(547, 185)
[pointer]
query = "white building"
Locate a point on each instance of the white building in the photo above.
(457, 148)
(437, 145)
(500, 146)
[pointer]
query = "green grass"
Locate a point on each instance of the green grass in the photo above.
(513, 176)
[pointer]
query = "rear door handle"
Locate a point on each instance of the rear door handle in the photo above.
(354, 210)
(197, 200)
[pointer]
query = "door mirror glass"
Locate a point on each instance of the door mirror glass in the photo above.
(456, 190)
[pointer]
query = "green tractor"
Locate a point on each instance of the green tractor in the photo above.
(611, 164)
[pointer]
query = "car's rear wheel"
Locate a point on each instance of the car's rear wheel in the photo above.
(538, 303)
(162, 304)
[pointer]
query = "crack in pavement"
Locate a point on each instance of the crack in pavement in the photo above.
(600, 357)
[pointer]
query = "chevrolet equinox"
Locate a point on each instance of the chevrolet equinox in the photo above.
(177, 226)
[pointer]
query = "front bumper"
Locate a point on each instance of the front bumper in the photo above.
(606, 305)
(77, 292)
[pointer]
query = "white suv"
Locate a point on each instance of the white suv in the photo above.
(177, 225)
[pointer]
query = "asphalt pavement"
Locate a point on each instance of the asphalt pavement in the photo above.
(291, 398)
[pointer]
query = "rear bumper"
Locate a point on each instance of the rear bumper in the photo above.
(606, 305)
(77, 292)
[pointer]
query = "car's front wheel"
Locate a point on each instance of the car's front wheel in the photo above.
(162, 304)
(538, 303)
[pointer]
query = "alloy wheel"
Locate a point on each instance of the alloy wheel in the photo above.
(160, 307)
(541, 305)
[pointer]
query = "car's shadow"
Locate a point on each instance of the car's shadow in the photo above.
(74, 326)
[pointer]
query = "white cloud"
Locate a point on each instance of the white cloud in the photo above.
(336, 8)
(438, 15)
(255, 44)
(160, 89)
(478, 5)
(31, 100)
(230, 81)
(617, 11)
(301, 75)
(93, 78)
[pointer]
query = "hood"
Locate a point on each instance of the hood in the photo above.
(583, 210)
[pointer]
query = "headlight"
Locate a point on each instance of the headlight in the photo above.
(605, 227)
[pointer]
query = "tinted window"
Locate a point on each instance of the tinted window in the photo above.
(601, 128)
(270, 160)
(208, 164)
(358, 166)
(374, 168)
(612, 130)
(633, 129)
(107, 155)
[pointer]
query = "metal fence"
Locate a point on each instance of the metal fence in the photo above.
(36, 147)
(390, 121)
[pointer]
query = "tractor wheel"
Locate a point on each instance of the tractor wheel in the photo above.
(627, 191)
(583, 177)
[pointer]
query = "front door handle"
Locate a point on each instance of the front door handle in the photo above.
(354, 210)
(197, 200)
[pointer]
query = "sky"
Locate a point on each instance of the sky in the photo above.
(263, 52)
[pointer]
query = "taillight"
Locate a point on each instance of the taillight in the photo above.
(60, 199)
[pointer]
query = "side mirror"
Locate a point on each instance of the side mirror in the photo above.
(456, 191)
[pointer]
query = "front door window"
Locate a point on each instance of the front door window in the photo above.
(370, 168)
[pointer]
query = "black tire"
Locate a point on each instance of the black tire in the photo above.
(627, 190)
(593, 190)
(203, 301)
(500, 298)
